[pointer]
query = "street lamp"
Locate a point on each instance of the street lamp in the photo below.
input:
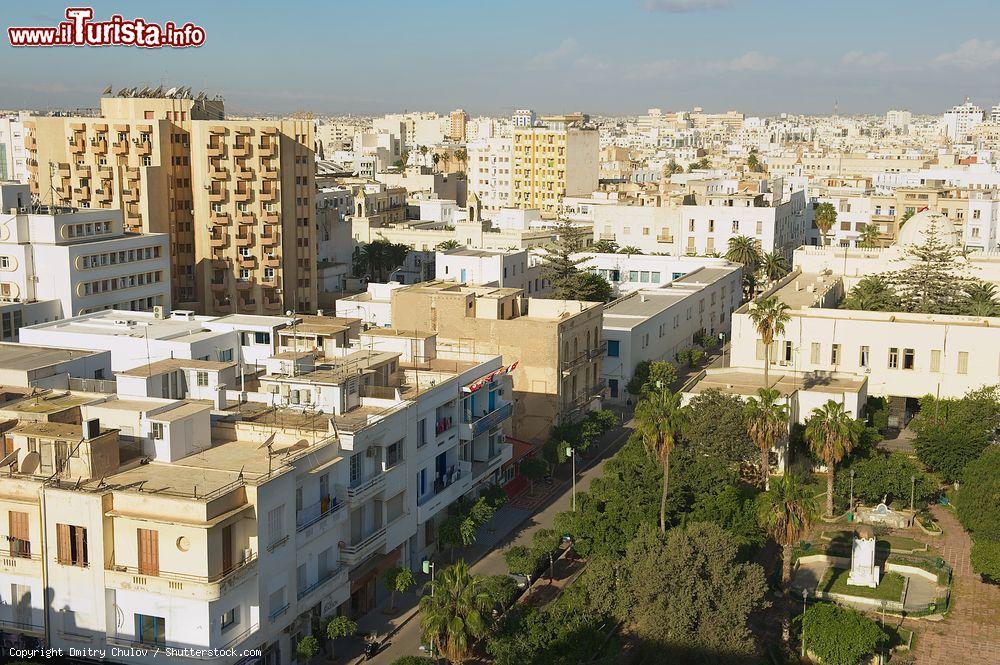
(428, 568)
(913, 486)
(572, 456)
(850, 506)
(805, 596)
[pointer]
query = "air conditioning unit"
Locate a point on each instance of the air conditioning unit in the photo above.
(371, 451)
(157, 311)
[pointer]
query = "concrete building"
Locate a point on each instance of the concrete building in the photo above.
(523, 118)
(520, 269)
(554, 346)
(632, 272)
(489, 173)
(83, 260)
(457, 121)
(654, 324)
(552, 161)
(958, 122)
(13, 154)
(235, 197)
(373, 307)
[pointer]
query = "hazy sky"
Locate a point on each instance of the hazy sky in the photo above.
(487, 56)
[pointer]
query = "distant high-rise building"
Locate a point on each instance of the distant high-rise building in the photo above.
(552, 161)
(13, 156)
(523, 118)
(235, 196)
(959, 121)
(458, 119)
(898, 120)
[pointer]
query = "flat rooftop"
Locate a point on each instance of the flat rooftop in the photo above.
(442, 286)
(25, 357)
(247, 320)
(137, 325)
(640, 306)
(480, 253)
(171, 364)
(54, 430)
(797, 294)
(47, 403)
(707, 275)
(747, 382)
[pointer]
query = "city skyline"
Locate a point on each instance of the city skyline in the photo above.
(672, 54)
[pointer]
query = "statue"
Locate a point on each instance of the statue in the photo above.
(864, 572)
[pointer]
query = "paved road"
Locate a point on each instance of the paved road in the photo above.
(407, 640)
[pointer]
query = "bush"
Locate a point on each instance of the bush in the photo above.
(501, 589)
(976, 501)
(951, 433)
(840, 636)
(306, 648)
(884, 475)
(985, 559)
(521, 560)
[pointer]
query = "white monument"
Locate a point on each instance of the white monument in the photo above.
(864, 572)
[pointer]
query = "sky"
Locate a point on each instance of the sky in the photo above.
(597, 56)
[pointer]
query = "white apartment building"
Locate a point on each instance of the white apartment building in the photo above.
(523, 118)
(13, 156)
(632, 272)
(519, 269)
(82, 259)
(653, 324)
(489, 173)
(373, 307)
(958, 122)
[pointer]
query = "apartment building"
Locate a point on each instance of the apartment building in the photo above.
(245, 530)
(655, 323)
(235, 197)
(958, 122)
(457, 120)
(519, 269)
(373, 307)
(489, 173)
(633, 272)
(82, 259)
(648, 222)
(13, 154)
(554, 346)
(551, 161)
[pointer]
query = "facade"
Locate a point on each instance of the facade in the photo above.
(554, 346)
(235, 197)
(13, 154)
(958, 122)
(457, 120)
(553, 161)
(489, 173)
(632, 272)
(520, 269)
(84, 260)
(373, 307)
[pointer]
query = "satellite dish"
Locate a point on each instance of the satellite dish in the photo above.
(31, 463)
(107, 91)
(171, 92)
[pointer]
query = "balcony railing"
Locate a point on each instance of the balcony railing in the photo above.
(310, 515)
(476, 425)
(278, 612)
(367, 487)
(302, 593)
(11, 626)
(351, 554)
(218, 578)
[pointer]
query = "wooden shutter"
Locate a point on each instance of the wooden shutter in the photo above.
(149, 551)
(227, 548)
(20, 544)
(81, 546)
(63, 547)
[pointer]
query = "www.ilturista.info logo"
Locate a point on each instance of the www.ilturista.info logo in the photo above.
(80, 30)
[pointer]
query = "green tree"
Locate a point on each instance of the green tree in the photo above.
(306, 648)
(769, 316)
(651, 375)
(735, 511)
(933, 280)
(446, 245)
(773, 266)
(659, 421)
(534, 469)
(673, 167)
(337, 627)
(881, 475)
(980, 299)
(824, 217)
(831, 434)
(699, 165)
(873, 293)
(978, 499)
(398, 580)
(787, 509)
(593, 288)
(745, 251)
(559, 266)
(985, 559)
(605, 247)
(767, 423)
(502, 590)
(717, 426)
(870, 236)
(840, 635)
(691, 592)
(455, 614)
(521, 560)
(753, 162)
(950, 433)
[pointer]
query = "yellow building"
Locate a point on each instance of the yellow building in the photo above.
(236, 197)
(553, 161)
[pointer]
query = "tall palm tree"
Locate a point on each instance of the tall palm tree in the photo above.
(660, 419)
(629, 249)
(870, 236)
(786, 511)
(769, 316)
(824, 217)
(767, 422)
(832, 434)
(873, 293)
(981, 299)
(456, 612)
(605, 247)
(774, 266)
(743, 250)
(445, 245)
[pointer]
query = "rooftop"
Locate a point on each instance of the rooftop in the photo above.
(747, 382)
(637, 307)
(24, 357)
(171, 364)
(138, 325)
(53, 430)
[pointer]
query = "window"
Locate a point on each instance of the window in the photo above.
(835, 354)
(788, 352)
(150, 630)
(20, 544)
(909, 359)
(863, 356)
(893, 357)
(356, 467)
(71, 545)
(202, 378)
(393, 454)
(156, 431)
(936, 360)
(226, 355)
(613, 348)
(230, 618)
(421, 432)
(963, 362)
(275, 527)
(814, 353)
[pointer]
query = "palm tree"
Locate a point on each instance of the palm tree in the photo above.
(395, 255)
(773, 265)
(445, 245)
(462, 156)
(873, 293)
(743, 250)
(786, 511)
(455, 613)
(605, 247)
(769, 316)
(753, 161)
(629, 249)
(870, 236)
(660, 419)
(981, 299)
(824, 217)
(832, 435)
(767, 422)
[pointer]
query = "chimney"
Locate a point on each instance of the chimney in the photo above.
(91, 428)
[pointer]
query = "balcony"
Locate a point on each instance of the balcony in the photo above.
(269, 149)
(607, 236)
(199, 587)
(216, 150)
(216, 196)
(144, 148)
(244, 174)
(664, 238)
(318, 512)
(331, 575)
(243, 196)
(272, 240)
(446, 490)
(219, 173)
(220, 241)
(119, 147)
(20, 561)
(241, 149)
(244, 240)
(220, 218)
(22, 627)
(473, 426)
(357, 552)
(502, 454)
(598, 351)
(366, 489)
(269, 195)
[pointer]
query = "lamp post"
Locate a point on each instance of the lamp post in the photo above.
(850, 506)
(913, 486)
(428, 567)
(805, 596)
(571, 454)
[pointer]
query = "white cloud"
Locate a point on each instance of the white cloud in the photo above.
(751, 61)
(971, 54)
(866, 59)
(683, 6)
(654, 69)
(565, 49)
